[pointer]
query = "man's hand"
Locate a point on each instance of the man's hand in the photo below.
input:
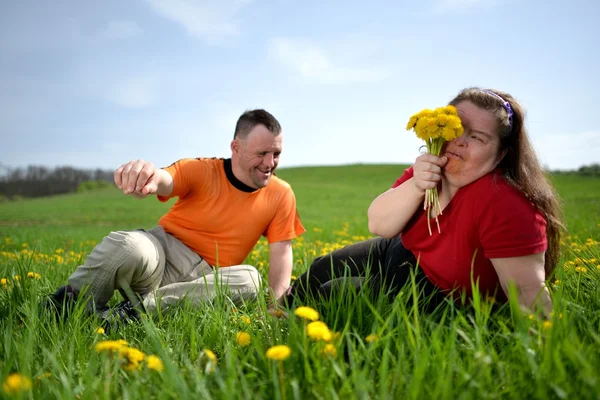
(138, 178)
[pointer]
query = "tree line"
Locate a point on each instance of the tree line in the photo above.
(37, 181)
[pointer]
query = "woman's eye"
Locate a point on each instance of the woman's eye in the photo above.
(478, 138)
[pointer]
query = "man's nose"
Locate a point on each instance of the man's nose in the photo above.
(269, 160)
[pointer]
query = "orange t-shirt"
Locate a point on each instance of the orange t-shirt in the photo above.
(221, 218)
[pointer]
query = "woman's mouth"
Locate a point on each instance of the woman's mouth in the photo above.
(450, 154)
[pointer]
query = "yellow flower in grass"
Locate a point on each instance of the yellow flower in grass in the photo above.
(154, 363)
(583, 270)
(17, 277)
(245, 319)
(373, 337)
(243, 338)
(33, 275)
(16, 383)
(110, 345)
(3, 281)
(318, 330)
(329, 350)
(100, 331)
(547, 325)
(211, 356)
(307, 313)
(133, 358)
(279, 352)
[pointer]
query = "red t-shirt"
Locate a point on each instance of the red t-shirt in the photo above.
(486, 219)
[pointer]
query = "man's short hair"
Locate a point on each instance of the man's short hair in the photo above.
(251, 118)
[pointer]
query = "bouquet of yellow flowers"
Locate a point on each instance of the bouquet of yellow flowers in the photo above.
(435, 127)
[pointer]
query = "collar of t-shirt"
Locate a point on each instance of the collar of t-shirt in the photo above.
(235, 181)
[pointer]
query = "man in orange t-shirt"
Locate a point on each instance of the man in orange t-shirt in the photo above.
(197, 250)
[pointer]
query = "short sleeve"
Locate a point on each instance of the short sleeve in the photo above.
(511, 226)
(187, 175)
(286, 224)
(408, 173)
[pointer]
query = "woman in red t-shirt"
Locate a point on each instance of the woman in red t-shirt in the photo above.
(501, 220)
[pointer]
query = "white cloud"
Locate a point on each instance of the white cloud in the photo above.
(568, 150)
(121, 30)
(312, 63)
(210, 20)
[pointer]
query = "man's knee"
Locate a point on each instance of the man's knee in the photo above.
(251, 279)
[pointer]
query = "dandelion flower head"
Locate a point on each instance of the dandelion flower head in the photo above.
(307, 313)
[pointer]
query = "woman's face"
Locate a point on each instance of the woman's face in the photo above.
(476, 152)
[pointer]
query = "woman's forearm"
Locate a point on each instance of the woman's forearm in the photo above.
(390, 211)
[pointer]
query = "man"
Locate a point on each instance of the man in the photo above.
(223, 208)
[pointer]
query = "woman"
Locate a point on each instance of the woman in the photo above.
(500, 220)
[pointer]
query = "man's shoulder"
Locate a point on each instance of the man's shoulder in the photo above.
(278, 184)
(199, 161)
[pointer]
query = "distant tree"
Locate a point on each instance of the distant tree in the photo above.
(36, 180)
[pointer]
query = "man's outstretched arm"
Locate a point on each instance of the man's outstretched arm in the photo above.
(141, 178)
(281, 262)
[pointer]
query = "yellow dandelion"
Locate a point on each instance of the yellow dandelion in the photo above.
(547, 325)
(245, 319)
(307, 313)
(17, 277)
(279, 352)
(372, 338)
(100, 331)
(211, 356)
(109, 345)
(132, 354)
(154, 363)
(411, 122)
(583, 270)
(243, 338)
(329, 350)
(293, 277)
(3, 281)
(33, 275)
(318, 330)
(16, 383)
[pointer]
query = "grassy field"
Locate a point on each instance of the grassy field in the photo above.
(377, 350)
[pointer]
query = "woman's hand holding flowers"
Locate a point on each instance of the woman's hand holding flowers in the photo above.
(428, 171)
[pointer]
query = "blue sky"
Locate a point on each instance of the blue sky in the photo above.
(96, 84)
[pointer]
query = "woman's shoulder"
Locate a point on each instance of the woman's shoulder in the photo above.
(495, 191)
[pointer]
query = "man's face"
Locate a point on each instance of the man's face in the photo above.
(256, 156)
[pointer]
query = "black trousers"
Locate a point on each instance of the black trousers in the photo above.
(385, 262)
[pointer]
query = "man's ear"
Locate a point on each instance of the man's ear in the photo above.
(235, 146)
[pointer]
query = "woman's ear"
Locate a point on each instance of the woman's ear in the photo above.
(501, 156)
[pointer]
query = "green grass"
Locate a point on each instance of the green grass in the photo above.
(453, 353)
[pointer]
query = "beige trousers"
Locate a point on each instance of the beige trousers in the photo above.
(160, 268)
